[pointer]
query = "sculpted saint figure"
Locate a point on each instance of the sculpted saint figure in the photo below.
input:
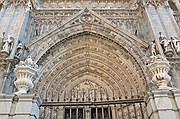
(8, 43)
(20, 49)
(153, 48)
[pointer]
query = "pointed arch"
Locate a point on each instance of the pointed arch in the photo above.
(88, 46)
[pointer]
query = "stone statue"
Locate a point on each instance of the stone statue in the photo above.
(164, 43)
(8, 44)
(20, 49)
(29, 62)
(153, 48)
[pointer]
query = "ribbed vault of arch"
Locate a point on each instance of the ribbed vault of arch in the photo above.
(87, 67)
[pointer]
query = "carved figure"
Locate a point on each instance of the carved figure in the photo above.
(153, 48)
(29, 62)
(164, 43)
(20, 49)
(8, 44)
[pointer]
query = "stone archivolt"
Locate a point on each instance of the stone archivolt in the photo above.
(89, 58)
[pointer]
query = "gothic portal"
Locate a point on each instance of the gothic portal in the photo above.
(89, 59)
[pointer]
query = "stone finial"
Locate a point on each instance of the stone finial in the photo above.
(159, 68)
(25, 71)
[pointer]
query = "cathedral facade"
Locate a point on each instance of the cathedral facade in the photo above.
(89, 59)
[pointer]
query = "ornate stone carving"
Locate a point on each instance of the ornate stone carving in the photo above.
(128, 4)
(86, 59)
(176, 44)
(25, 71)
(167, 45)
(43, 21)
(20, 49)
(86, 17)
(7, 46)
(15, 3)
(159, 68)
(156, 3)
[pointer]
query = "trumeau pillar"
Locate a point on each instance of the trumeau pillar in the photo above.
(161, 19)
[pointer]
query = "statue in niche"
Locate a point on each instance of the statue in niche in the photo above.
(8, 44)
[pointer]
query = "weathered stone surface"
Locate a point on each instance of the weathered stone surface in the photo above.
(89, 50)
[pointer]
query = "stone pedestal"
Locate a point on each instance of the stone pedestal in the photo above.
(159, 68)
(19, 107)
(163, 104)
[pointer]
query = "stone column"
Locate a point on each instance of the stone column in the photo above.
(24, 106)
(163, 104)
